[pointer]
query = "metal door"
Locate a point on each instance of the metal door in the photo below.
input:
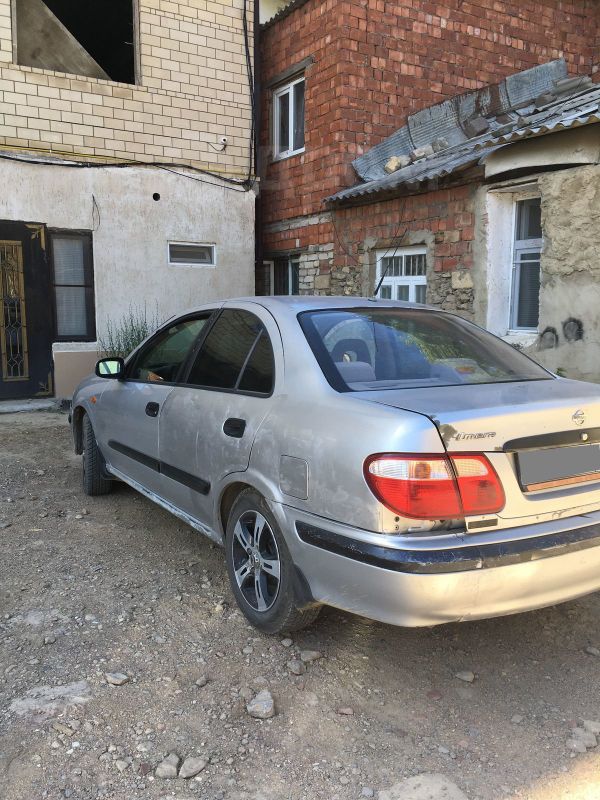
(25, 312)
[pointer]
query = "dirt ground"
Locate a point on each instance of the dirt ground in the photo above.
(115, 584)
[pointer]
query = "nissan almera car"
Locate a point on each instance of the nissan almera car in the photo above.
(392, 460)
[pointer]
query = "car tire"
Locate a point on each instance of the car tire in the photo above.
(261, 571)
(94, 475)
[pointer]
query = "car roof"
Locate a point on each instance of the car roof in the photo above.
(297, 303)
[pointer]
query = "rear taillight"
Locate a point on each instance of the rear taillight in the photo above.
(480, 489)
(434, 487)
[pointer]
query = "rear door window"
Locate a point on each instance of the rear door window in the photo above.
(236, 355)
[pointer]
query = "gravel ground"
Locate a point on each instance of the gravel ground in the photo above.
(120, 646)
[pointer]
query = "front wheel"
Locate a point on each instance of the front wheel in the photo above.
(261, 570)
(94, 480)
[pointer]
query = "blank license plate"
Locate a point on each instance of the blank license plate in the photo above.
(559, 466)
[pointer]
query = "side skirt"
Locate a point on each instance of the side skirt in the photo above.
(177, 512)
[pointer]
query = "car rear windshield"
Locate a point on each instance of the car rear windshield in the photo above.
(363, 348)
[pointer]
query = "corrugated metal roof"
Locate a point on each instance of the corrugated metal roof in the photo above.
(574, 110)
(452, 120)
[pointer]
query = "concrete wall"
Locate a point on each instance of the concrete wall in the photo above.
(131, 231)
(568, 336)
(192, 89)
(570, 290)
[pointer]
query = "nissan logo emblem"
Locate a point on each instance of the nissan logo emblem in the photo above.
(578, 417)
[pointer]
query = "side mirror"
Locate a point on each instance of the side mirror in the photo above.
(110, 368)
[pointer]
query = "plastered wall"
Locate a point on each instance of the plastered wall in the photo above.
(130, 233)
(569, 331)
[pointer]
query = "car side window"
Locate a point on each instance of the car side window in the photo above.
(237, 354)
(162, 358)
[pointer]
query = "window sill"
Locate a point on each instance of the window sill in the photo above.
(522, 338)
(289, 154)
(73, 76)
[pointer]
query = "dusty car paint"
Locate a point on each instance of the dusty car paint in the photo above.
(303, 450)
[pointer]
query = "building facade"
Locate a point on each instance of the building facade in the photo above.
(126, 167)
(488, 237)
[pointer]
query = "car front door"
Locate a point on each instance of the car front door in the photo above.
(128, 413)
(208, 425)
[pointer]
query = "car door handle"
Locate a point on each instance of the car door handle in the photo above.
(234, 427)
(152, 409)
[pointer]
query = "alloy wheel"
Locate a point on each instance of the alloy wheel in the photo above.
(256, 562)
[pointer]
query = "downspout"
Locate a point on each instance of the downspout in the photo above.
(256, 109)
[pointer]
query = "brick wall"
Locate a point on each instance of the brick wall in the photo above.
(193, 89)
(338, 251)
(376, 62)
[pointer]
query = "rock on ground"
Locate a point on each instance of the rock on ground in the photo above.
(51, 700)
(116, 678)
(262, 706)
(429, 786)
(168, 766)
(191, 767)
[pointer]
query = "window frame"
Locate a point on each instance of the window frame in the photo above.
(395, 281)
(521, 247)
(194, 264)
(197, 348)
(291, 259)
(136, 44)
(280, 91)
(89, 285)
(211, 315)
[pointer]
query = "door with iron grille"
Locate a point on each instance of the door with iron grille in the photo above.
(25, 312)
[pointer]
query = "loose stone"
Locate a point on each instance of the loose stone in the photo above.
(168, 766)
(296, 667)
(191, 767)
(310, 655)
(116, 678)
(465, 675)
(262, 706)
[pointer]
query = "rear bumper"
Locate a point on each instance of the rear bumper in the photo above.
(445, 578)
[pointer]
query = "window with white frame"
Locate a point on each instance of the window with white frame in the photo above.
(288, 119)
(404, 273)
(527, 248)
(191, 254)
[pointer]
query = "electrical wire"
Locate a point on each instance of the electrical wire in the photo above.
(232, 184)
(164, 165)
(386, 254)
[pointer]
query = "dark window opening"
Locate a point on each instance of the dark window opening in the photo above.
(237, 354)
(75, 316)
(79, 37)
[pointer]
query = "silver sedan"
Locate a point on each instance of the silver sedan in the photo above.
(388, 459)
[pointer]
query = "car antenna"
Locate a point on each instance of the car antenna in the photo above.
(374, 298)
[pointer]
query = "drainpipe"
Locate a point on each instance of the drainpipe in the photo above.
(258, 246)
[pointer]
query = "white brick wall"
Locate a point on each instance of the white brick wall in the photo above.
(193, 89)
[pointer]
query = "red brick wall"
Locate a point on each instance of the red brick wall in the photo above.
(443, 220)
(376, 61)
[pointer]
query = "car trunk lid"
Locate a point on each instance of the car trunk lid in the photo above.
(542, 438)
(489, 417)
